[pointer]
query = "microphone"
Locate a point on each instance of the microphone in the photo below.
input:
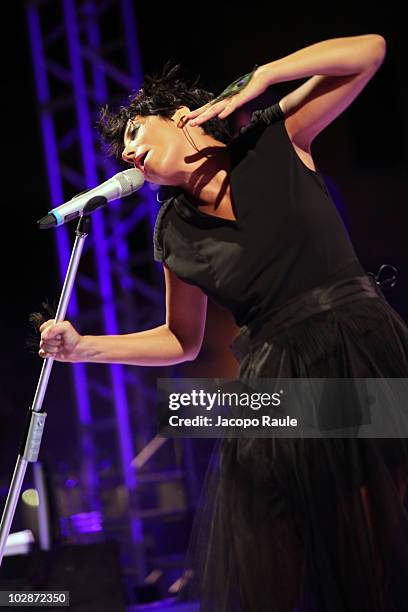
(118, 186)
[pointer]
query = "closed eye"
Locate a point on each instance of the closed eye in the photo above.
(133, 130)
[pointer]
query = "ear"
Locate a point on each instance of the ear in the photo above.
(180, 112)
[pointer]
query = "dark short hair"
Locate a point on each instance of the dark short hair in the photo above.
(159, 95)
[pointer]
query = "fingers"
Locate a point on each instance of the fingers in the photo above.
(47, 324)
(52, 338)
(51, 347)
(46, 353)
(54, 329)
(204, 113)
(52, 343)
(197, 111)
(222, 109)
(229, 108)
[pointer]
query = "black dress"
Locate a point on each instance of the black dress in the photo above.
(292, 525)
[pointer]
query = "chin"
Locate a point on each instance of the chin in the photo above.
(159, 180)
(154, 175)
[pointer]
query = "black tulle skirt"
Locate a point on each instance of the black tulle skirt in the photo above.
(312, 524)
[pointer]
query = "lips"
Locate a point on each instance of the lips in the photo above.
(140, 160)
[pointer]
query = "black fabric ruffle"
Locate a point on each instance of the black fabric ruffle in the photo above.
(308, 525)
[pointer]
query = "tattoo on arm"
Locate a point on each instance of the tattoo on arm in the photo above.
(235, 87)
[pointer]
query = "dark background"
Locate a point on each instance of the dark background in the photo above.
(362, 154)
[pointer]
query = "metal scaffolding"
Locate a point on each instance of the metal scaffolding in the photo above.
(79, 65)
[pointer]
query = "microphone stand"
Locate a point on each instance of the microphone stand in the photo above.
(35, 420)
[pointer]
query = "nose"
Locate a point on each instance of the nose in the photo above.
(129, 153)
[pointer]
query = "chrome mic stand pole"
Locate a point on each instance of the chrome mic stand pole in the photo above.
(31, 441)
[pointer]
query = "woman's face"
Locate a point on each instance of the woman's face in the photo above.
(160, 147)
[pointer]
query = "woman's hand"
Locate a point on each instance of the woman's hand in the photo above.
(247, 87)
(59, 341)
